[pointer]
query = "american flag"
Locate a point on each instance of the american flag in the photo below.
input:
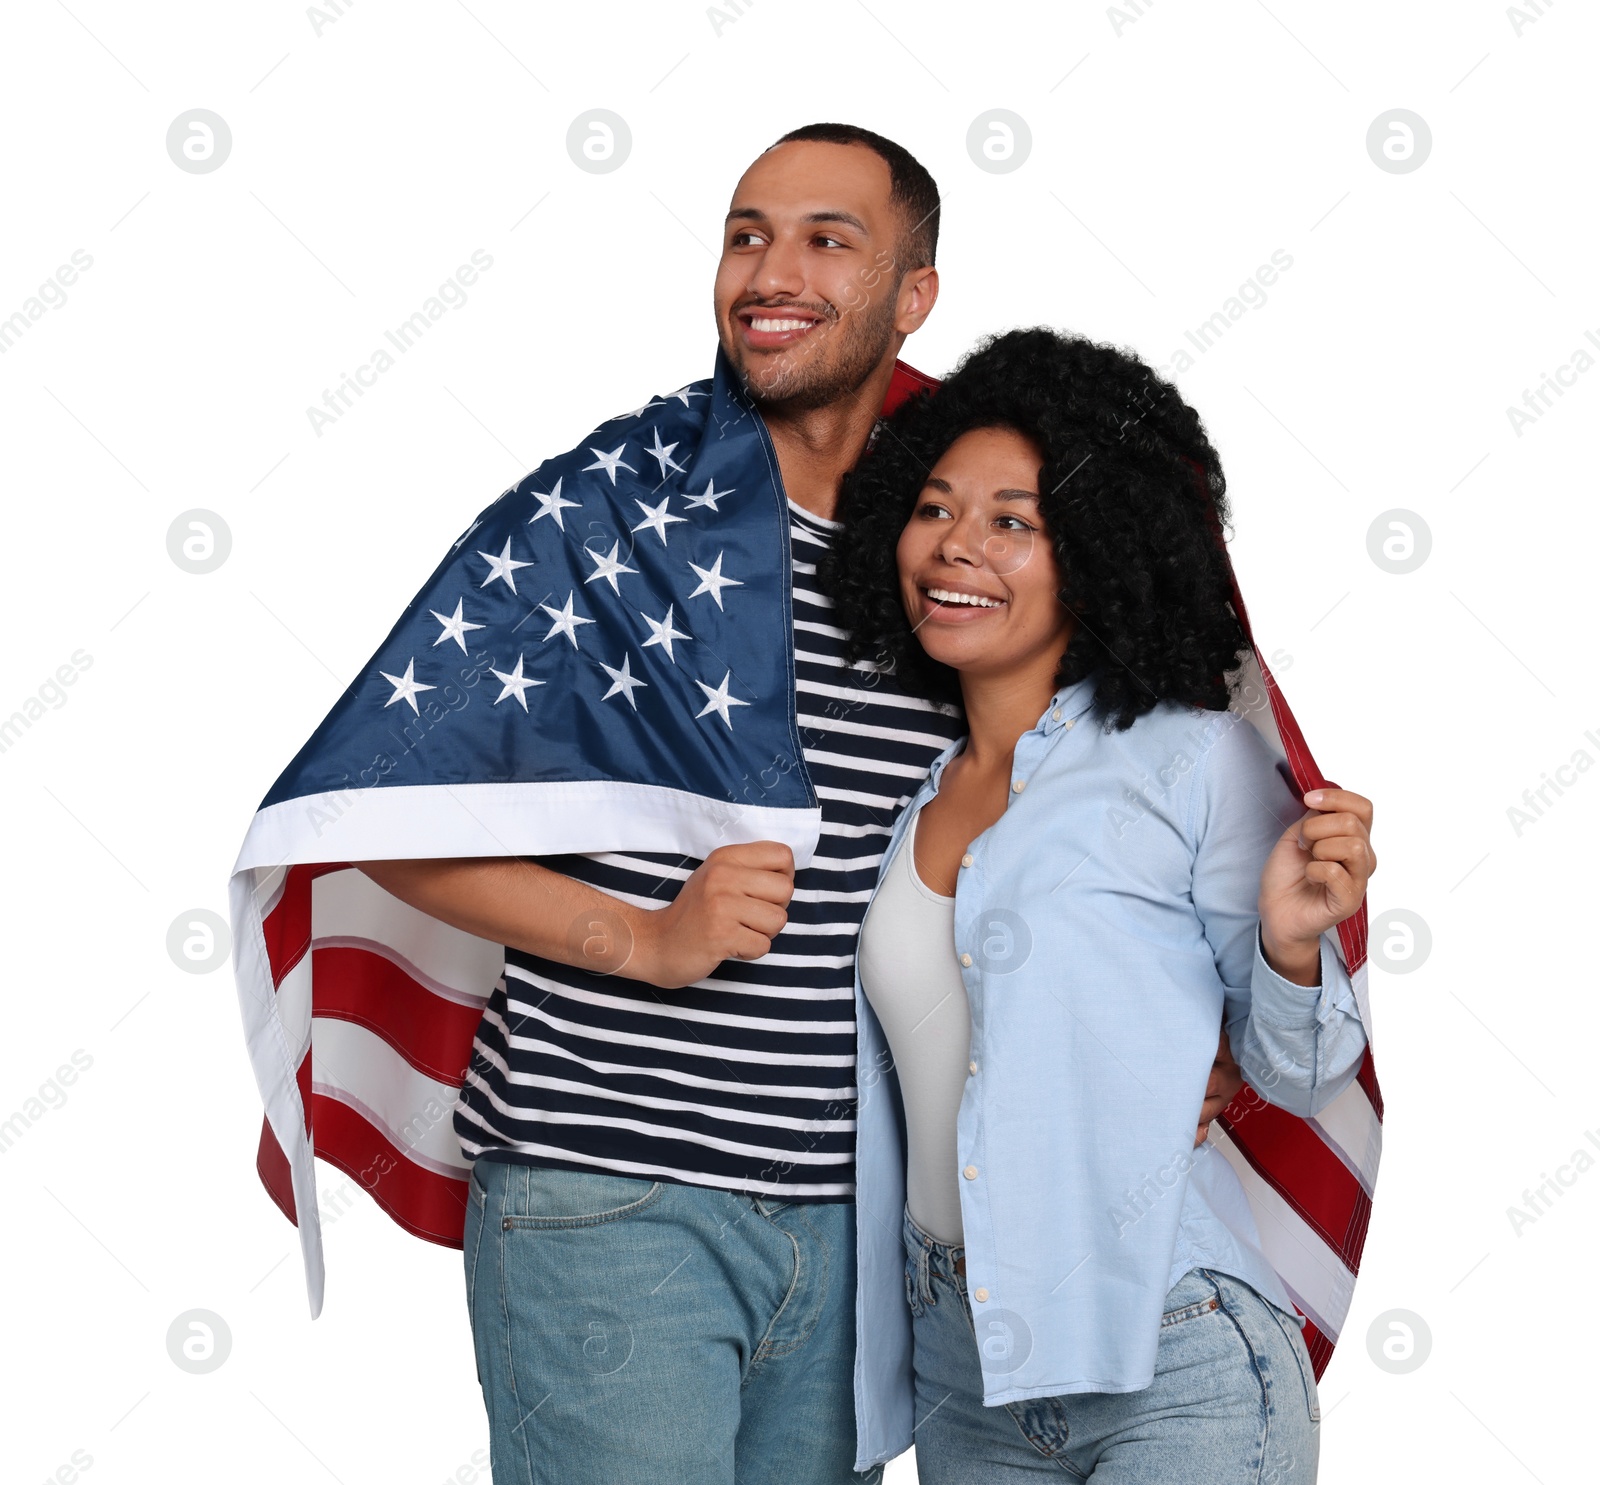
(603, 662)
(1309, 1181)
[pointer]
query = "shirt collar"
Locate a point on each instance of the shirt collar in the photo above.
(1065, 707)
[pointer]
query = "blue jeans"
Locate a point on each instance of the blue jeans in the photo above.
(637, 1332)
(1234, 1400)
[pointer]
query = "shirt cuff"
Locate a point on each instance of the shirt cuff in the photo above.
(1300, 1007)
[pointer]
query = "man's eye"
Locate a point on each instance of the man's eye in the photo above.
(836, 241)
(741, 239)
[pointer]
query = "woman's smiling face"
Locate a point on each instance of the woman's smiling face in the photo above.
(978, 572)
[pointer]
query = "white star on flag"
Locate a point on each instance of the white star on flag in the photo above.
(708, 497)
(622, 680)
(502, 567)
(662, 454)
(514, 684)
(405, 687)
(656, 518)
(718, 700)
(552, 505)
(610, 462)
(566, 622)
(455, 627)
(608, 567)
(662, 633)
(638, 411)
(684, 393)
(712, 580)
(460, 541)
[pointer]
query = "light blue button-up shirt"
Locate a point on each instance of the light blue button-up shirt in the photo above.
(1105, 927)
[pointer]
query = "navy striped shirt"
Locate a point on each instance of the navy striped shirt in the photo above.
(745, 1080)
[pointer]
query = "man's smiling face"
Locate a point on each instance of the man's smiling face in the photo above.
(807, 289)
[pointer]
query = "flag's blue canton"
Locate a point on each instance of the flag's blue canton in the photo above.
(622, 613)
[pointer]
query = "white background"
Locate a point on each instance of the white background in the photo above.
(1172, 152)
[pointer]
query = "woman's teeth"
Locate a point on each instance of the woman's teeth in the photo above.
(944, 595)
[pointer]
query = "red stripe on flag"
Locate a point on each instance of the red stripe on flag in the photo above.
(272, 1165)
(1303, 767)
(1367, 1077)
(302, 1078)
(423, 1202)
(1289, 1156)
(434, 1034)
(1320, 1347)
(287, 928)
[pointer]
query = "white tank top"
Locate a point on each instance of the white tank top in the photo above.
(907, 956)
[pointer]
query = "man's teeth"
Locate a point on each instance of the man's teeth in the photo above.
(944, 595)
(757, 323)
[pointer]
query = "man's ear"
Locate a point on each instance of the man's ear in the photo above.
(919, 289)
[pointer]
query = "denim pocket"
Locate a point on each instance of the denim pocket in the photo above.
(540, 1196)
(1192, 1296)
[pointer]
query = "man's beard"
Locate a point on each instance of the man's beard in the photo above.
(803, 379)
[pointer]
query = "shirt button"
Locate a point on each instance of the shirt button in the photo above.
(972, 1067)
(1055, 716)
(1018, 785)
(966, 860)
(971, 1173)
(966, 961)
(1071, 721)
(980, 1295)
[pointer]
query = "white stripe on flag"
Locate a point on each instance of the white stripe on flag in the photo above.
(360, 1069)
(1313, 1273)
(294, 1007)
(349, 908)
(399, 821)
(1349, 1127)
(275, 1064)
(1252, 703)
(269, 887)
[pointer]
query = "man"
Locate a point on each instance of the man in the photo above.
(659, 1240)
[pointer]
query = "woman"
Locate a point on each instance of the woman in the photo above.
(1103, 869)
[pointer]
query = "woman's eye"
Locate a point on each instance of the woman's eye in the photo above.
(932, 510)
(1012, 523)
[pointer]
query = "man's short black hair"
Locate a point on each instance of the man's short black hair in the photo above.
(911, 188)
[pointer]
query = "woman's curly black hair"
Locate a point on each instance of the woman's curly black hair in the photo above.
(1131, 491)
